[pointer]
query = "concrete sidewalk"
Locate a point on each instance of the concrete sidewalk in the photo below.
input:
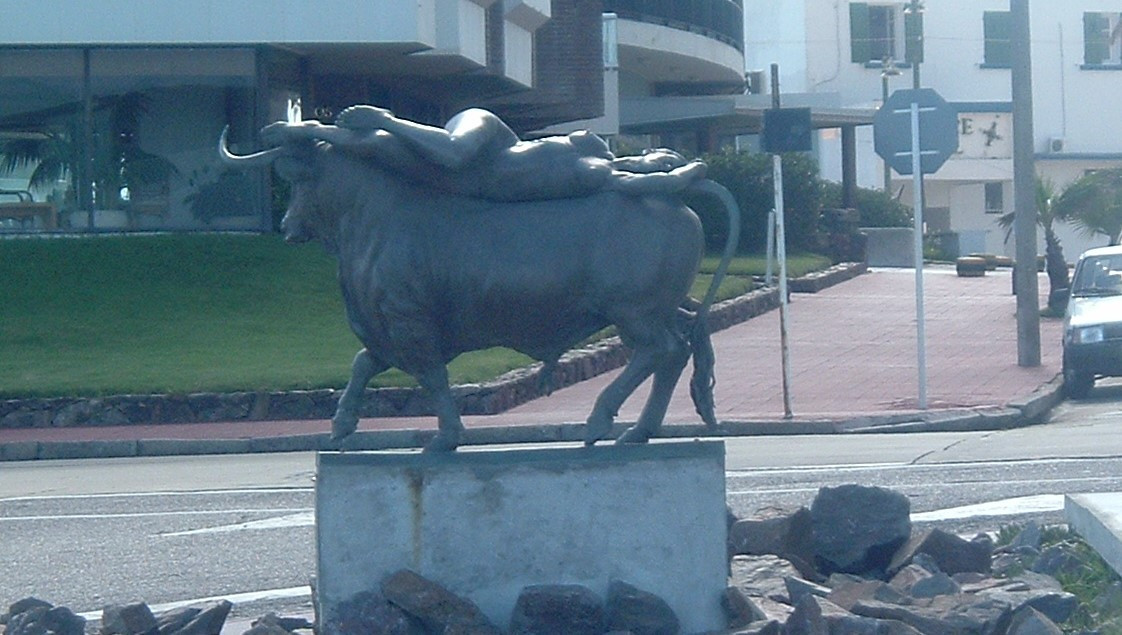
(853, 359)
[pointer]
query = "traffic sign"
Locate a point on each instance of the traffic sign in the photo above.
(786, 130)
(938, 130)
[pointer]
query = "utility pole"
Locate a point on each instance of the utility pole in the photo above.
(887, 69)
(913, 29)
(1025, 280)
(913, 54)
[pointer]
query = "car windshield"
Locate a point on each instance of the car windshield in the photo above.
(1098, 275)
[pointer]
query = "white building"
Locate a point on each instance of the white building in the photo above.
(831, 46)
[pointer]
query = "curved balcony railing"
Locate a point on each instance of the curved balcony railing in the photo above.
(721, 20)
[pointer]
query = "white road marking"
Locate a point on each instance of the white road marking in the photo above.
(212, 492)
(1006, 507)
(305, 518)
(234, 598)
(193, 512)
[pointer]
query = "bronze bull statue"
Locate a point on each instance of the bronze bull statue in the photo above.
(430, 268)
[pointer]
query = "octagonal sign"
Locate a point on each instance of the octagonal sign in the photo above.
(938, 130)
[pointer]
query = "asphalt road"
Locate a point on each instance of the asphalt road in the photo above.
(179, 529)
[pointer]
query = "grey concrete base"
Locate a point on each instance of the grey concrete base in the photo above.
(889, 246)
(486, 524)
(1098, 518)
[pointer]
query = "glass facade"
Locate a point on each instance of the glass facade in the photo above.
(124, 139)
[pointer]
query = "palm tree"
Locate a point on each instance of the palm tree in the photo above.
(1055, 265)
(1094, 203)
(118, 161)
(50, 152)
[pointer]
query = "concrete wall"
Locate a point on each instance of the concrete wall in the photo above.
(485, 524)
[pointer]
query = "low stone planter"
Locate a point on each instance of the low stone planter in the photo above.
(970, 266)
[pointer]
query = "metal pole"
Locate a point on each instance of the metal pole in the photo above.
(781, 240)
(1024, 195)
(917, 203)
(769, 276)
(781, 249)
(884, 99)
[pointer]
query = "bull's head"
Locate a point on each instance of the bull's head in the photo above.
(294, 160)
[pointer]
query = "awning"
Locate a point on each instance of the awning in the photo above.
(737, 114)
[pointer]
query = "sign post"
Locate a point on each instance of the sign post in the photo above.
(914, 132)
(785, 130)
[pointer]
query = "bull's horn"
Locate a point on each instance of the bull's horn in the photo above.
(248, 160)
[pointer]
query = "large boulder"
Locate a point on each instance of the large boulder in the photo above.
(951, 553)
(857, 529)
(943, 615)
(557, 608)
(209, 621)
(32, 616)
(641, 613)
(368, 613)
(440, 610)
(127, 619)
(785, 534)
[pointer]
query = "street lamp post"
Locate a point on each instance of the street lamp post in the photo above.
(888, 69)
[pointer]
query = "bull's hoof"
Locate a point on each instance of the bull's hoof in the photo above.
(443, 442)
(343, 425)
(596, 429)
(633, 435)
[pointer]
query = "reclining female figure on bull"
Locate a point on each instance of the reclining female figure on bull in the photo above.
(428, 273)
(476, 154)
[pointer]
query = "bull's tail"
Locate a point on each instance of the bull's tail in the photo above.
(703, 380)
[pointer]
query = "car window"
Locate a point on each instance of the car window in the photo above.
(1098, 275)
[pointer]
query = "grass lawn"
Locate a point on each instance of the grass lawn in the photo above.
(188, 313)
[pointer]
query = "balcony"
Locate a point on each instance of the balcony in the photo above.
(721, 20)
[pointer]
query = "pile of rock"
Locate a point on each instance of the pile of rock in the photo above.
(32, 616)
(852, 564)
(409, 604)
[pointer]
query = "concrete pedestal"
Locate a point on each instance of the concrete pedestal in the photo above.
(486, 524)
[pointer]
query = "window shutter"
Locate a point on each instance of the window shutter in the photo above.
(1096, 38)
(859, 31)
(913, 37)
(997, 26)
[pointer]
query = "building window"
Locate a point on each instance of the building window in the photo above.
(884, 31)
(995, 198)
(1102, 38)
(996, 27)
(123, 138)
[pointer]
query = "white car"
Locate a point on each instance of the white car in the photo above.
(1093, 322)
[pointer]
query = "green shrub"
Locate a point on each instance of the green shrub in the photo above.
(877, 207)
(749, 178)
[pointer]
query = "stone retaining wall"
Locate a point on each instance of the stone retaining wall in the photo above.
(505, 392)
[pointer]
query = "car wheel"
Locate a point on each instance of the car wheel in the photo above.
(1077, 383)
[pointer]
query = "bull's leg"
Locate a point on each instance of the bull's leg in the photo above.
(665, 378)
(435, 382)
(599, 424)
(363, 370)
